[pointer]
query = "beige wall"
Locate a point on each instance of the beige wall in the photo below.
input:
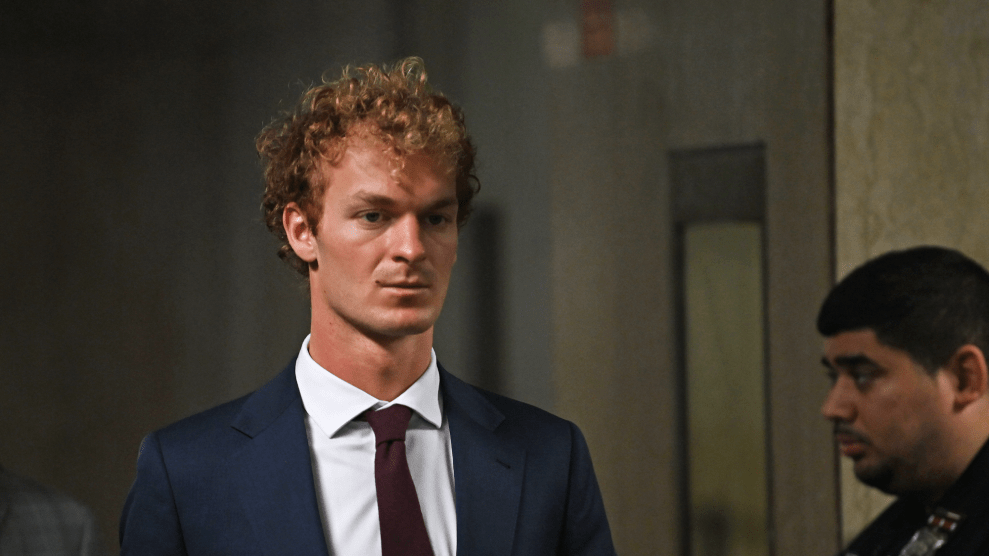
(912, 143)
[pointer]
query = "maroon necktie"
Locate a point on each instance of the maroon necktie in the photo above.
(403, 532)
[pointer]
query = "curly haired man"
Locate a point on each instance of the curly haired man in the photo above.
(364, 444)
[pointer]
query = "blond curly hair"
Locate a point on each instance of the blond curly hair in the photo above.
(394, 105)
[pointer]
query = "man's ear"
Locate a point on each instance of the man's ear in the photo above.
(300, 235)
(969, 374)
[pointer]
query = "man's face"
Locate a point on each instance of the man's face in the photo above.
(386, 243)
(889, 413)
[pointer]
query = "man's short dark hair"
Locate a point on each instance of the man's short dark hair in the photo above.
(927, 301)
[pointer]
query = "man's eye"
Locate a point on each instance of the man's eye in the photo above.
(435, 219)
(371, 216)
(862, 378)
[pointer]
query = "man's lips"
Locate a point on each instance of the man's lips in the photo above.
(413, 285)
(851, 443)
(850, 446)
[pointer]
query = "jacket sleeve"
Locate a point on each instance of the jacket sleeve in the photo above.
(149, 524)
(586, 531)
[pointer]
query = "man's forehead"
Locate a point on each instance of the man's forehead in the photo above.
(862, 346)
(373, 151)
(851, 343)
(367, 170)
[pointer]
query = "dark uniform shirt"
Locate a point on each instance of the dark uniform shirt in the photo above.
(969, 496)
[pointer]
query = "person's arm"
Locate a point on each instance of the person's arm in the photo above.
(149, 524)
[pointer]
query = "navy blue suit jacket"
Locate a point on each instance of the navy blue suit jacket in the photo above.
(237, 480)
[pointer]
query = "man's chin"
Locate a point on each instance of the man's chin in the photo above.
(410, 330)
(877, 476)
(401, 328)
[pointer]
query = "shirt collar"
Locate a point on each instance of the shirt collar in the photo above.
(333, 402)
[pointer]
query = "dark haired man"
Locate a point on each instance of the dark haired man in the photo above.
(363, 445)
(905, 341)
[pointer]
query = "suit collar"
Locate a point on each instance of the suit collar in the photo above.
(488, 470)
(471, 402)
(274, 470)
(267, 404)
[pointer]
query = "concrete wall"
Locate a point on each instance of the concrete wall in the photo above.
(912, 143)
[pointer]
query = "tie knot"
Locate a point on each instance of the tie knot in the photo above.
(390, 423)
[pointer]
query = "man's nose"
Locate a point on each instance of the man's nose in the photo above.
(838, 404)
(407, 241)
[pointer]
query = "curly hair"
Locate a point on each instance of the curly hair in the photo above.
(394, 105)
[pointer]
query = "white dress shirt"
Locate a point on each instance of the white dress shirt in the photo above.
(342, 451)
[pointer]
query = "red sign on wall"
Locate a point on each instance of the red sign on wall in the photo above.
(598, 31)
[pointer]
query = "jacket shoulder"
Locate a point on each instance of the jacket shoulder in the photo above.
(232, 421)
(509, 417)
(518, 410)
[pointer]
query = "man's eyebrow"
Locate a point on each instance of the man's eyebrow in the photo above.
(379, 200)
(848, 361)
(443, 203)
(373, 199)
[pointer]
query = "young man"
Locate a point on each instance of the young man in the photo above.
(905, 341)
(367, 184)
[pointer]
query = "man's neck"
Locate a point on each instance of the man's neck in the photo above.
(955, 457)
(382, 367)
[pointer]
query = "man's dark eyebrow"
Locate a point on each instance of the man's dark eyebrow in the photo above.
(848, 361)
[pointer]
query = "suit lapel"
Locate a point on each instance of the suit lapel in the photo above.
(488, 471)
(274, 471)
